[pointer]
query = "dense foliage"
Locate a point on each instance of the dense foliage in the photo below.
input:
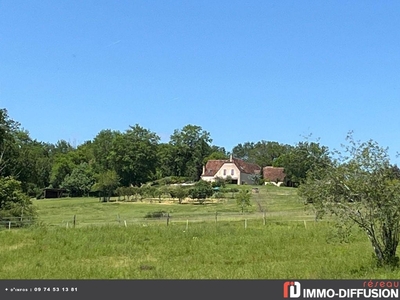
(360, 187)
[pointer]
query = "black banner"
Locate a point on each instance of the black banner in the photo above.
(206, 289)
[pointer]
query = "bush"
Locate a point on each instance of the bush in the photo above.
(201, 191)
(219, 182)
(13, 202)
(156, 214)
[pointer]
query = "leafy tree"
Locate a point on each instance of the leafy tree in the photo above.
(179, 192)
(165, 160)
(301, 159)
(219, 182)
(13, 202)
(190, 146)
(134, 155)
(243, 199)
(8, 146)
(201, 191)
(106, 183)
(121, 191)
(102, 147)
(263, 153)
(80, 181)
(63, 165)
(216, 155)
(360, 188)
(147, 191)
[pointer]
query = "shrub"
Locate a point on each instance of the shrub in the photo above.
(156, 214)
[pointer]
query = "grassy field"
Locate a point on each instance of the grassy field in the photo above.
(289, 245)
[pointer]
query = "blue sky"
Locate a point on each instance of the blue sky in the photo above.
(242, 70)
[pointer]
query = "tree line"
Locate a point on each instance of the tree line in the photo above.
(133, 157)
(357, 186)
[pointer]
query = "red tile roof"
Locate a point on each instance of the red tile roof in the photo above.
(212, 166)
(246, 167)
(273, 173)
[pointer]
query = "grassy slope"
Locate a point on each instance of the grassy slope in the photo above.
(281, 249)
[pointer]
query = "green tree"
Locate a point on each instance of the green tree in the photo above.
(13, 202)
(361, 188)
(8, 145)
(243, 199)
(102, 147)
(134, 155)
(106, 183)
(217, 155)
(80, 181)
(301, 159)
(201, 191)
(190, 146)
(63, 165)
(165, 160)
(179, 192)
(262, 153)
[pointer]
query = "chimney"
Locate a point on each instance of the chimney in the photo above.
(204, 169)
(230, 158)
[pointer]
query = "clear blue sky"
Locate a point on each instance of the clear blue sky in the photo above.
(242, 70)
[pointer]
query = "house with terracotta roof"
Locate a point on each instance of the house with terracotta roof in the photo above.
(274, 175)
(240, 171)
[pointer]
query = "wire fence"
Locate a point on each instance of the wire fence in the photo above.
(15, 222)
(168, 219)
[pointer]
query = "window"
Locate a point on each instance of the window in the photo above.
(232, 172)
(224, 172)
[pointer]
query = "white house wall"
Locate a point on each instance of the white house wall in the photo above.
(228, 167)
(208, 178)
(240, 177)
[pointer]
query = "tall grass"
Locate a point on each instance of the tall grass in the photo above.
(203, 251)
(290, 245)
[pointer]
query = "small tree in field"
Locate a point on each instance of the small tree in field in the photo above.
(181, 193)
(13, 202)
(360, 187)
(201, 191)
(243, 199)
(106, 183)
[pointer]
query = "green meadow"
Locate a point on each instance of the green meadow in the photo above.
(114, 240)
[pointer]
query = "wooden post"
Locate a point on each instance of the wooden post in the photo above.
(305, 225)
(74, 220)
(187, 224)
(167, 219)
(67, 224)
(125, 223)
(9, 225)
(245, 223)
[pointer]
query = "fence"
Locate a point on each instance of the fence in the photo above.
(168, 219)
(12, 222)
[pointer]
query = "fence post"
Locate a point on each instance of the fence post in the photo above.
(67, 224)
(187, 224)
(216, 217)
(74, 220)
(264, 221)
(9, 225)
(119, 219)
(125, 223)
(245, 223)
(168, 219)
(305, 225)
